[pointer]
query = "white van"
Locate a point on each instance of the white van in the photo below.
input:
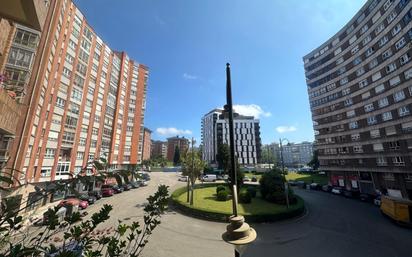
(209, 178)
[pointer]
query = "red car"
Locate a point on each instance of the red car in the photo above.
(74, 201)
(107, 190)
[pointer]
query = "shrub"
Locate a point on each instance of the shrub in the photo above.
(245, 197)
(220, 188)
(251, 191)
(271, 182)
(222, 195)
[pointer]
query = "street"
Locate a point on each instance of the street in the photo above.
(333, 226)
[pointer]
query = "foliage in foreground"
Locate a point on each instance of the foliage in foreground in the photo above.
(82, 238)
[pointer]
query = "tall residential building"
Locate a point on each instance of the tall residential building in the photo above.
(215, 131)
(181, 142)
(359, 85)
(84, 101)
(159, 148)
(147, 144)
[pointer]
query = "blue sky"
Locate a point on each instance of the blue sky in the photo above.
(187, 43)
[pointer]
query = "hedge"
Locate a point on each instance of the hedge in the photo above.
(295, 210)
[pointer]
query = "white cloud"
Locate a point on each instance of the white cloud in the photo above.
(286, 129)
(251, 110)
(172, 131)
(189, 76)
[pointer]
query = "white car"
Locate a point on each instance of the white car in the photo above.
(183, 178)
(209, 178)
(377, 201)
(336, 191)
(246, 179)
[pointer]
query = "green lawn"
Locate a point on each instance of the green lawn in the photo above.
(308, 178)
(205, 199)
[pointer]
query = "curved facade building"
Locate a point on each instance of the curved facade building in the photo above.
(360, 90)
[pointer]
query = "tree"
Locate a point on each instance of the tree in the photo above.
(223, 157)
(192, 166)
(176, 157)
(268, 156)
(314, 163)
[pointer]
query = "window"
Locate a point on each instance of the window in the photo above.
(346, 91)
(400, 43)
(45, 172)
(66, 72)
(341, 71)
(396, 29)
(355, 137)
(368, 107)
(72, 45)
(360, 71)
(372, 120)
(398, 161)
(383, 41)
(95, 131)
(344, 81)
(379, 28)
(68, 136)
(386, 54)
(403, 111)
(399, 96)
(26, 38)
(348, 102)
(357, 149)
(79, 155)
(394, 145)
(350, 113)
(364, 29)
(373, 63)
(62, 168)
(369, 51)
(381, 161)
(387, 116)
(77, 94)
(383, 102)
(378, 147)
(357, 60)
(355, 49)
(60, 102)
(69, 58)
(387, 4)
(391, 67)
(366, 40)
(394, 81)
(353, 125)
(408, 74)
(82, 141)
(50, 153)
(339, 61)
(338, 51)
(19, 57)
(375, 133)
(366, 95)
(404, 58)
(380, 88)
(391, 16)
(363, 83)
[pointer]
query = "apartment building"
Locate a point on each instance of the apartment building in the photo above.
(147, 144)
(159, 148)
(172, 142)
(359, 86)
(84, 101)
(215, 131)
(297, 154)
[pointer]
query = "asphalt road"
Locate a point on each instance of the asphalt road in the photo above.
(333, 226)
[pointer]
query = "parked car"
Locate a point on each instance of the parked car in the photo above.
(337, 191)
(183, 178)
(292, 183)
(301, 184)
(315, 186)
(377, 201)
(246, 179)
(365, 198)
(209, 178)
(117, 189)
(95, 193)
(254, 179)
(89, 198)
(350, 193)
(144, 175)
(107, 190)
(126, 187)
(144, 183)
(135, 184)
(326, 188)
(74, 201)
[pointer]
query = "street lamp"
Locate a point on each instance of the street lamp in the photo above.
(238, 232)
(283, 170)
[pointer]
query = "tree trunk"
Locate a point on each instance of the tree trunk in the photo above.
(187, 198)
(191, 191)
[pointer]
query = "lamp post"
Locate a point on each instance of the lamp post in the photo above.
(283, 170)
(238, 233)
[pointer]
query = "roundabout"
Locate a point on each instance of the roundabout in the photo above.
(206, 206)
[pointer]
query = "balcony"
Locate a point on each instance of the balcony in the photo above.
(10, 112)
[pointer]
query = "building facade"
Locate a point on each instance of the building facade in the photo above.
(84, 101)
(159, 148)
(181, 142)
(360, 96)
(297, 154)
(215, 131)
(147, 144)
